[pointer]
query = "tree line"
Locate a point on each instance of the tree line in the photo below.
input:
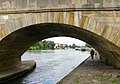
(43, 45)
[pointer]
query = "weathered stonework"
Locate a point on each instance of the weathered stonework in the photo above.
(18, 31)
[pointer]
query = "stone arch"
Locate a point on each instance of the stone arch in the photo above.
(15, 44)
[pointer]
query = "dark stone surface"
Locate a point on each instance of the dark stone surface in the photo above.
(16, 72)
(15, 44)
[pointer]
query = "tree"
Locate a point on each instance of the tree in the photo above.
(51, 45)
(43, 45)
(73, 46)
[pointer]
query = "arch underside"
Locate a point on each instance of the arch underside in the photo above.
(15, 44)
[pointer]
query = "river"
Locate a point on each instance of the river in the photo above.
(52, 65)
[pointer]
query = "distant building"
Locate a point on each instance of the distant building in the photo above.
(60, 46)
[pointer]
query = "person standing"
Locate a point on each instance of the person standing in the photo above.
(92, 54)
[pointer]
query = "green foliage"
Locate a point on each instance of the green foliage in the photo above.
(116, 80)
(73, 46)
(88, 45)
(77, 81)
(43, 45)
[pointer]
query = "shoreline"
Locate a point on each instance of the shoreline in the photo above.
(92, 72)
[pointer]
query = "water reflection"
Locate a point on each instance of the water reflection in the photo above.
(40, 51)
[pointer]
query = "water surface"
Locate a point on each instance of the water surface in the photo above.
(52, 65)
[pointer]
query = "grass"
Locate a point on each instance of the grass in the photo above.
(103, 78)
(114, 81)
(77, 81)
(108, 78)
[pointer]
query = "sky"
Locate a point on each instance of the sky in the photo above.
(66, 40)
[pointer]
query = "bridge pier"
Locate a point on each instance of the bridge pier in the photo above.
(115, 63)
(15, 72)
(7, 64)
(111, 56)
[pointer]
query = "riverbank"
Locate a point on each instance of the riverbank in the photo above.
(26, 67)
(93, 72)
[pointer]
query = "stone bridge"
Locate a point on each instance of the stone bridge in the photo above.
(25, 22)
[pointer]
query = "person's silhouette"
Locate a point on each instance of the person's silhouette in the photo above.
(92, 54)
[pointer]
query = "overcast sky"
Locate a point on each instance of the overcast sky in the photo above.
(66, 40)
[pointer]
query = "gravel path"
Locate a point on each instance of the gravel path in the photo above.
(93, 72)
